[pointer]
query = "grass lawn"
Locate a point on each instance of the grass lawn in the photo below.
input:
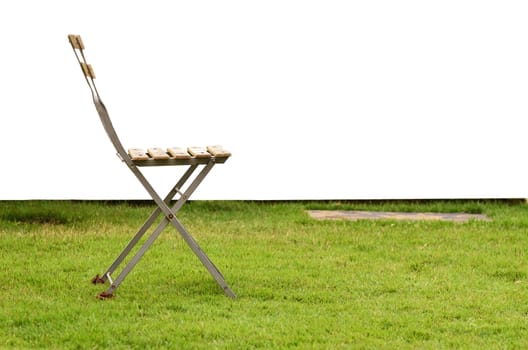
(301, 283)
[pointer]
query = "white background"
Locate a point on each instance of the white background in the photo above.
(315, 99)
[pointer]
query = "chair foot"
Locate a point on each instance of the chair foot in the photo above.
(98, 280)
(229, 292)
(105, 295)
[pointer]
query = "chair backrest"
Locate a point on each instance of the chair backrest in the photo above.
(78, 48)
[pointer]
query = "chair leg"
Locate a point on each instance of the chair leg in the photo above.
(170, 216)
(148, 223)
(126, 270)
(206, 261)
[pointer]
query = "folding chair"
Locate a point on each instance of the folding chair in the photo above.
(192, 157)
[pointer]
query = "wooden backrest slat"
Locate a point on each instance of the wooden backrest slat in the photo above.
(88, 70)
(76, 41)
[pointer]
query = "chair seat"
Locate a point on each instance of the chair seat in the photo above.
(157, 156)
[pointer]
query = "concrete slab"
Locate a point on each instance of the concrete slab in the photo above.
(377, 215)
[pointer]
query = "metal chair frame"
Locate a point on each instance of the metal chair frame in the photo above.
(205, 159)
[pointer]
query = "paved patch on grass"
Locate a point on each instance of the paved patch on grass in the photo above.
(377, 215)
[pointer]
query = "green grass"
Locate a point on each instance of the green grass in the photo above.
(301, 283)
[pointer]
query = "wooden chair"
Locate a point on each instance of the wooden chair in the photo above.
(191, 157)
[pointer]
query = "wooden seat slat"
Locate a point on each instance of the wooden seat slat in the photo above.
(157, 153)
(199, 152)
(218, 151)
(178, 153)
(137, 154)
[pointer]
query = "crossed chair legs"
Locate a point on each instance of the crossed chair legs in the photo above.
(170, 218)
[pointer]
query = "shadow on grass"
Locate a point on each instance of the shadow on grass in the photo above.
(35, 213)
